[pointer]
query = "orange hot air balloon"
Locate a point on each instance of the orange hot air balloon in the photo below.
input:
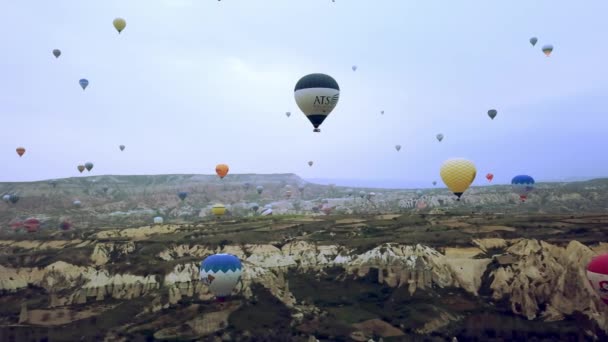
(490, 176)
(221, 170)
(20, 151)
(80, 168)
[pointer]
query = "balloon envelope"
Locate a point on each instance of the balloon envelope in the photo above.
(259, 189)
(522, 185)
(310, 163)
(439, 137)
(317, 95)
(492, 113)
(218, 210)
(490, 176)
(221, 272)
(80, 168)
(20, 151)
(288, 114)
(158, 220)
(119, 24)
(547, 49)
(458, 174)
(122, 147)
(533, 41)
(221, 170)
(182, 195)
(354, 68)
(56, 53)
(84, 83)
(88, 166)
(597, 274)
(398, 147)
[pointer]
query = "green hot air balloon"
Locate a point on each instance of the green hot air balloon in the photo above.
(317, 95)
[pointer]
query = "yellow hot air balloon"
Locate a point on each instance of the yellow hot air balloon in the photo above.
(221, 170)
(119, 24)
(218, 210)
(458, 174)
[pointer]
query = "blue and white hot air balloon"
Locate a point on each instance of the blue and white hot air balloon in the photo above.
(221, 272)
(522, 185)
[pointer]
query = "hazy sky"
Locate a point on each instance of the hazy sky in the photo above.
(192, 83)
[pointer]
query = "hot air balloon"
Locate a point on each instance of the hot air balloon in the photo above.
(458, 174)
(6, 198)
(105, 189)
(354, 68)
(88, 166)
(259, 189)
(65, 225)
(301, 188)
(158, 220)
(182, 195)
(121, 147)
(310, 163)
(266, 212)
(522, 185)
(56, 53)
(597, 274)
(14, 199)
(490, 176)
(80, 168)
(53, 183)
(218, 210)
(247, 186)
(84, 83)
(221, 272)
(492, 113)
(547, 49)
(32, 225)
(439, 137)
(317, 95)
(288, 194)
(362, 194)
(20, 151)
(398, 147)
(434, 183)
(382, 112)
(119, 24)
(288, 114)
(221, 170)
(533, 41)
(77, 203)
(254, 207)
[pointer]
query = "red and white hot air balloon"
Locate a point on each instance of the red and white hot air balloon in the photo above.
(490, 176)
(597, 274)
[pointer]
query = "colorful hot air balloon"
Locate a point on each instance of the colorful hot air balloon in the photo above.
(158, 220)
(88, 166)
(56, 53)
(221, 170)
(522, 185)
(218, 210)
(259, 189)
(80, 168)
(121, 147)
(317, 95)
(354, 68)
(310, 163)
(119, 24)
(20, 151)
(458, 174)
(84, 83)
(288, 114)
(439, 137)
(492, 113)
(31, 225)
(533, 41)
(490, 176)
(547, 49)
(597, 274)
(398, 148)
(221, 272)
(182, 195)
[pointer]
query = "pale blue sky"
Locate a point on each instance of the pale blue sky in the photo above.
(192, 83)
